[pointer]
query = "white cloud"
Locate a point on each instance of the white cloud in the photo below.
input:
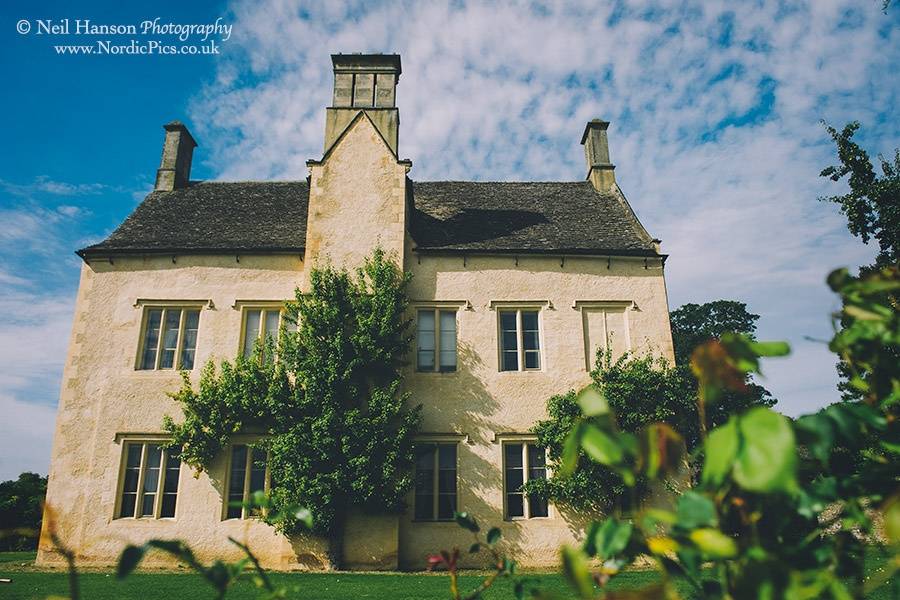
(44, 184)
(718, 145)
(24, 448)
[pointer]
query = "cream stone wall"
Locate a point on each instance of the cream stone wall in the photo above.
(104, 401)
(357, 202)
(357, 199)
(483, 404)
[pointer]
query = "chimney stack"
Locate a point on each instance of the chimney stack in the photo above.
(364, 83)
(601, 172)
(175, 168)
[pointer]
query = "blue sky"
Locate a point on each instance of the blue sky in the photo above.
(715, 110)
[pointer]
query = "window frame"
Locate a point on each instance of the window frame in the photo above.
(518, 308)
(435, 483)
(144, 442)
(245, 512)
(265, 306)
(165, 307)
(437, 309)
(525, 442)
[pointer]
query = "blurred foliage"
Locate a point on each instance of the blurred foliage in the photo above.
(776, 514)
(641, 391)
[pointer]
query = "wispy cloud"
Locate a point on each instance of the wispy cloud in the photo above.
(43, 184)
(715, 110)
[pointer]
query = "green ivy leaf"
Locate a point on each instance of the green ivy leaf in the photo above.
(600, 446)
(571, 445)
(767, 460)
(575, 568)
(466, 522)
(695, 510)
(592, 402)
(493, 536)
(303, 516)
(612, 537)
(713, 543)
(771, 348)
(721, 448)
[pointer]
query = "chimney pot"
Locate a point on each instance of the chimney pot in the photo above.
(601, 172)
(178, 149)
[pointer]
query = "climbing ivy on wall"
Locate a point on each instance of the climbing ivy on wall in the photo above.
(328, 409)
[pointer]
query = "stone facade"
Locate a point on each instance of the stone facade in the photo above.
(359, 197)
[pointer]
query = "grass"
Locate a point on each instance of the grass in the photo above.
(29, 584)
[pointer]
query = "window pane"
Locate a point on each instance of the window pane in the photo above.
(251, 330)
(189, 342)
(424, 507)
(532, 359)
(530, 340)
(508, 320)
(425, 340)
(513, 455)
(151, 479)
(515, 507)
(151, 339)
(446, 506)
(130, 483)
(510, 361)
(170, 339)
(258, 471)
(424, 478)
(448, 340)
(529, 320)
(170, 483)
(537, 507)
(447, 456)
(510, 341)
(537, 457)
(128, 505)
(236, 480)
(272, 319)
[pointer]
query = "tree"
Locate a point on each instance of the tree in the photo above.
(696, 324)
(329, 407)
(20, 511)
(872, 205)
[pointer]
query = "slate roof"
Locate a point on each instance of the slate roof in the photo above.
(532, 217)
(268, 216)
(447, 216)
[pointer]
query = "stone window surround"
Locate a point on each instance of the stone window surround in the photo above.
(261, 305)
(146, 305)
(126, 439)
(502, 439)
(437, 305)
(241, 440)
(500, 306)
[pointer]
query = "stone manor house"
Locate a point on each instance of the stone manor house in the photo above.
(515, 287)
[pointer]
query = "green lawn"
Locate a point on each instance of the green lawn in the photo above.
(29, 584)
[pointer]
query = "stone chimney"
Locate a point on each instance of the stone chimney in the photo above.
(175, 168)
(364, 83)
(601, 172)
